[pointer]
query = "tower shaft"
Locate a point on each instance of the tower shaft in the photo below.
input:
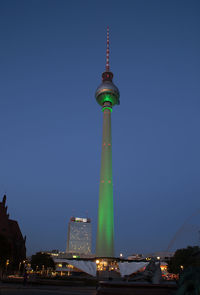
(105, 230)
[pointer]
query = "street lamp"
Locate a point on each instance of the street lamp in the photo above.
(7, 263)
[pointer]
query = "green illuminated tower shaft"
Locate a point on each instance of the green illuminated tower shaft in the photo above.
(107, 95)
(105, 231)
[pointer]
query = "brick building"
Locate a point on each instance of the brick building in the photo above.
(10, 230)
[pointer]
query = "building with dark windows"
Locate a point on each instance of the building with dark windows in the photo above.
(79, 238)
(10, 231)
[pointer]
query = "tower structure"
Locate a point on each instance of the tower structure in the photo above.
(107, 96)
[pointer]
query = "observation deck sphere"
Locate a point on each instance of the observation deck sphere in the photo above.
(107, 92)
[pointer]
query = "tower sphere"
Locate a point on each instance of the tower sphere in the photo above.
(107, 91)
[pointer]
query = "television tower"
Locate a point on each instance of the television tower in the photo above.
(107, 95)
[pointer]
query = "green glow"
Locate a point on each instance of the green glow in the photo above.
(107, 97)
(106, 108)
(105, 231)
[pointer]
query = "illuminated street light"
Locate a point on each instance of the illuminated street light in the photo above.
(7, 263)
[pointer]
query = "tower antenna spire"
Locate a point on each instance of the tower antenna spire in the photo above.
(107, 51)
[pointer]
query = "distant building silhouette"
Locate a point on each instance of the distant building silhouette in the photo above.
(10, 230)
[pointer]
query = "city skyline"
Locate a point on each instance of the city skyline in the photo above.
(51, 55)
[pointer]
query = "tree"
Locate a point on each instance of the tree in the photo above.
(184, 258)
(189, 283)
(41, 261)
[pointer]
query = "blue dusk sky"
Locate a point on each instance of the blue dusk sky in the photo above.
(52, 54)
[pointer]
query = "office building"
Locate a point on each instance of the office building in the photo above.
(79, 238)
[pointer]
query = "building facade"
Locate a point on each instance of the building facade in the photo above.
(9, 230)
(79, 238)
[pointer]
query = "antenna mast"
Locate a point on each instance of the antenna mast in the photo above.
(107, 52)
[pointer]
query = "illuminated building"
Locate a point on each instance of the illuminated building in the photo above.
(79, 239)
(107, 95)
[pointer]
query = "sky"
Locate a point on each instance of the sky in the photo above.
(52, 55)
